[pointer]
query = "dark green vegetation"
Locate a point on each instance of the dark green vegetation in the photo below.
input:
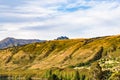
(70, 59)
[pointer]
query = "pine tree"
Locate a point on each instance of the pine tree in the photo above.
(96, 71)
(76, 76)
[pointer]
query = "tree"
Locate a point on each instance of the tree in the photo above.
(106, 74)
(48, 73)
(96, 70)
(82, 77)
(76, 76)
(53, 77)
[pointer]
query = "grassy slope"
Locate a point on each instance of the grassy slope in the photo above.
(62, 56)
(59, 53)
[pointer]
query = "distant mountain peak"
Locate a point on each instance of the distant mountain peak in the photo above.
(8, 38)
(10, 42)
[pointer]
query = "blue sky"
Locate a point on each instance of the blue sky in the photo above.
(48, 19)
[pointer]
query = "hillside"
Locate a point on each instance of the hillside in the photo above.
(10, 42)
(62, 54)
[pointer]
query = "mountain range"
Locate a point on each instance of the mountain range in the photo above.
(10, 42)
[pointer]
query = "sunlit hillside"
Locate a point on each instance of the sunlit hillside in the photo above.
(64, 59)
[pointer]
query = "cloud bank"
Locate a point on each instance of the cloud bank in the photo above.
(48, 19)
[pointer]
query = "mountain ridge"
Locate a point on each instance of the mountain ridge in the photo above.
(10, 42)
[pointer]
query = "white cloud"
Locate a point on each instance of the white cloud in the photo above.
(102, 18)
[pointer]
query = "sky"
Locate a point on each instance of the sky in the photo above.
(49, 19)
